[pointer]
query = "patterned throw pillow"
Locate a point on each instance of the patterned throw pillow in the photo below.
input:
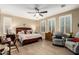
(75, 39)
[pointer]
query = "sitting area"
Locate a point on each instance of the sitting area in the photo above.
(10, 40)
(72, 43)
(4, 47)
(69, 41)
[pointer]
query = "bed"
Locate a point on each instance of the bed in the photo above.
(26, 38)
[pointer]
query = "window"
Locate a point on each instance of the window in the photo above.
(7, 22)
(62, 28)
(66, 24)
(42, 25)
(49, 24)
(52, 25)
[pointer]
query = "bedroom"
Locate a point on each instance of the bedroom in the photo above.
(25, 19)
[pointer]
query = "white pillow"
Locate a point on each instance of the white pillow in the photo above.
(19, 33)
(29, 31)
(22, 32)
(77, 35)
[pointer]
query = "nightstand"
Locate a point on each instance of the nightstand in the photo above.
(48, 36)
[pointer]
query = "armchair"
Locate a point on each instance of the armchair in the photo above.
(58, 39)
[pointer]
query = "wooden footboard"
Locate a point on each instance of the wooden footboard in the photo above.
(31, 40)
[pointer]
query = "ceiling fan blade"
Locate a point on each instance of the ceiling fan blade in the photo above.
(40, 14)
(43, 12)
(36, 9)
(34, 15)
(31, 12)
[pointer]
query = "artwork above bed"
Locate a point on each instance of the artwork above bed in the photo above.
(25, 29)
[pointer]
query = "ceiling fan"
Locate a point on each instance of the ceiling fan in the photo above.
(37, 11)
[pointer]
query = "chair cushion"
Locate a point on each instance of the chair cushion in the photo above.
(58, 35)
(75, 39)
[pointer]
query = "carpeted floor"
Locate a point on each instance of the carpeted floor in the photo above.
(41, 48)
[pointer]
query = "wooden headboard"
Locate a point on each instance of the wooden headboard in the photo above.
(22, 28)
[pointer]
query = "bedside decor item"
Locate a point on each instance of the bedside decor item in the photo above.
(70, 34)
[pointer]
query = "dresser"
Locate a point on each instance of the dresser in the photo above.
(48, 36)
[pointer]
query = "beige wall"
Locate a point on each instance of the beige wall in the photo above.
(0, 23)
(18, 22)
(75, 20)
(37, 26)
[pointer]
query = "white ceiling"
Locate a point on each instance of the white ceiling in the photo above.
(22, 9)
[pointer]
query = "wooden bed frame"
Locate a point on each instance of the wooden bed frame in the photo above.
(22, 28)
(29, 40)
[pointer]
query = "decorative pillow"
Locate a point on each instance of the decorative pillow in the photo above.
(29, 31)
(75, 39)
(22, 32)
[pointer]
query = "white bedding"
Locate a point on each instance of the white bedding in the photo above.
(23, 37)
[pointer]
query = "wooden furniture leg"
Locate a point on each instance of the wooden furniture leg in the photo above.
(9, 48)
(16, 47)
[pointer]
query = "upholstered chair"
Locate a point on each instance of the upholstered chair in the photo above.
(58, 39)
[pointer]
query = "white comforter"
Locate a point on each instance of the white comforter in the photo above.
(23, 37)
